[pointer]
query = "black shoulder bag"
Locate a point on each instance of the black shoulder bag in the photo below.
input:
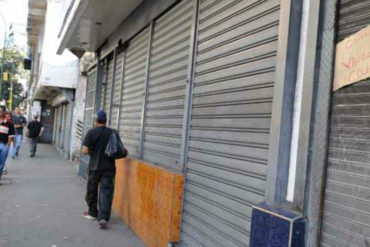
(115, 148)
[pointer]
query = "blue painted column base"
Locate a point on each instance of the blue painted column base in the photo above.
(273, 227)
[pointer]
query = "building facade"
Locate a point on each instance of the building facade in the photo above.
(235, 135)
(54, 77)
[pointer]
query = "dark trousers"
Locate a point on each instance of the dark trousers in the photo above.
(100, 187)
(34, 142)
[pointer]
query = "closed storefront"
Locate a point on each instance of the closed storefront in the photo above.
(168, 71)
(192, 93)
(229, 100)
(59, 126)
(133, 91)
(56, 125)
(114, 115)
(346, 207)
(66, 129)
(62, 127)
(47, 120)
(107, 86)
(88, 115)
(230, 122)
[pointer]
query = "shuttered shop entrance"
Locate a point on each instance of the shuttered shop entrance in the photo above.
(117, 91)
(169, 63)
(346, 218)
(67, 127)
(133, 90)
(88, 115)
(230, 122)
(55, 125)
(61, 128)
(58, 126)
(107, 87)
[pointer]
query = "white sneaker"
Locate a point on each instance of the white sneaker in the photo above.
(86, 215)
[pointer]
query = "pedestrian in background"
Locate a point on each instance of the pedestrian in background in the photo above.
(8, 118)
(19, 122)
(34, 131)
(101, 171)
(7, 133)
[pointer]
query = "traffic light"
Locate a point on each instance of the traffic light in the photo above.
(27, 63)
(5, 76)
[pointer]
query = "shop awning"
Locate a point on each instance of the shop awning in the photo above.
(35, 20)
(88, 23)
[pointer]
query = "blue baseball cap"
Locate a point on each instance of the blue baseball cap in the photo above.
(101, 116)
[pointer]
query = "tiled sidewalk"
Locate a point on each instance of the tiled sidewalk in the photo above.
(41, 205)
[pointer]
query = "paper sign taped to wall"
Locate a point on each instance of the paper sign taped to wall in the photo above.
(352, 62)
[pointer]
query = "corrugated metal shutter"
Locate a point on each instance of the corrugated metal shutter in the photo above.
(354, 15)
(133, 91)
(67, 127)
(89, 101)
(88, 114)
(117, 90)
(230, 123)
(103, 88)
(169, 63)
(61, 127)
(107, 87)
(57, 134)
(346, 218)
(55, 125)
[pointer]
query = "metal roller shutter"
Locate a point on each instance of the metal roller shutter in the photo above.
(60, 129)
(67, 127)
(88, 115)
(89, 101)
(55, 125)
(230, 123)
(107, 88)
(117, 90)
(354, 15)
(57, 133)
(169, 64)
(61, 126)
(346, 217)
(64, 128)
(133, 90)
(103, 87)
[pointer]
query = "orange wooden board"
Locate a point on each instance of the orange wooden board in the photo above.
(149, 200)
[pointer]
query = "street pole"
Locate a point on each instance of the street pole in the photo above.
(2, 67)
(11, 88)
(3, 58)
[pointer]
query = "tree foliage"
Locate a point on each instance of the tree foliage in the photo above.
(13, 65)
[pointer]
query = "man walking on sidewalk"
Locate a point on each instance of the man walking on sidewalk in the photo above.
(101, 173)
(19, 122)
(34, 131)
(7, 133)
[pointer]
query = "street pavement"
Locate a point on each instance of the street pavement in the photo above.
(41, 205)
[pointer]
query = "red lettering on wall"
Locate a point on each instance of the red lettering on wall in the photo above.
(351, 41)
(354, 61)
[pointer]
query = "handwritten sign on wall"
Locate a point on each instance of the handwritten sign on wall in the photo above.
(352, 62)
